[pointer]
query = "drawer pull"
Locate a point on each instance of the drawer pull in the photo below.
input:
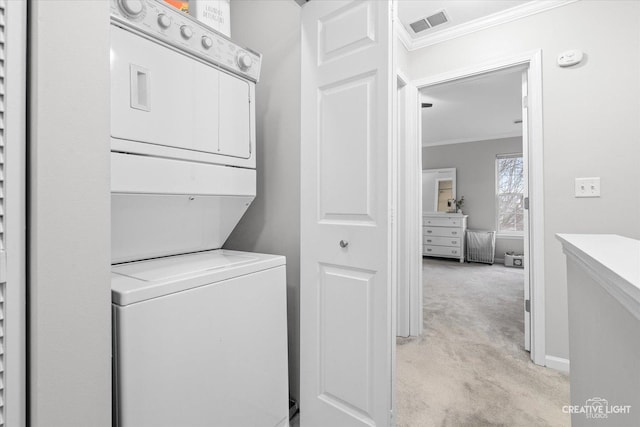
(429, 231)
(428, 250)
(429, 241)
(454, 242)
(454, 232)
(454, 252)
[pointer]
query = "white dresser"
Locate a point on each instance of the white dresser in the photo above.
(443, 235)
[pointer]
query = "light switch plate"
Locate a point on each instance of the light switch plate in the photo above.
(588, 187)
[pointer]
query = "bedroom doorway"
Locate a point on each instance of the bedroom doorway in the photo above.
(472, 134)
(529, 65)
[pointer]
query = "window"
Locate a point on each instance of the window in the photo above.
(510, 194)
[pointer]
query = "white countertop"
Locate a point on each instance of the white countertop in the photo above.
(614, 261)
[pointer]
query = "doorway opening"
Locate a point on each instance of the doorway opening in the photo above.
(529, 65)
(474, 234)
(513, 214)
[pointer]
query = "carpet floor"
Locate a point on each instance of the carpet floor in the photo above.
(469, 368)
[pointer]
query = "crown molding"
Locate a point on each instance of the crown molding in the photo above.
(473, 139)
(404, 36)
(503, 17)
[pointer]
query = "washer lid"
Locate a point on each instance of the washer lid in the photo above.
(143, 280)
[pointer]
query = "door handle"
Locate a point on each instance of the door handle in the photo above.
(140, 88)
(344, 244)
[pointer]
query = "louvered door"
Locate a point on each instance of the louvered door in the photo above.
(12, 212)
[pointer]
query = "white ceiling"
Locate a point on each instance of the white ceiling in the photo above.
(475, 109)
(458, 12)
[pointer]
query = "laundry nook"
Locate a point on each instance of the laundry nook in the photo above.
(199, 332)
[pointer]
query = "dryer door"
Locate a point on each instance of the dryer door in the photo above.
(165, 103)
(157, 97)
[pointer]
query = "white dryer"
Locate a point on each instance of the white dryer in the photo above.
(200, 334)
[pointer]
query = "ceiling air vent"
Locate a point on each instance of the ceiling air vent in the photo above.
(429, 22)
(420, 25)
(437, 19)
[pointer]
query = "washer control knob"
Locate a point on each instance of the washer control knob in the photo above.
(131, 8)
(207, 42)
(244, 60)
(186, 32)
(164, 21)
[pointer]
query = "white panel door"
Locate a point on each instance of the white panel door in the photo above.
(525, 171)
(347, 292)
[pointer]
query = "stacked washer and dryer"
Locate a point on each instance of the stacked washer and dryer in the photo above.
(200, 334)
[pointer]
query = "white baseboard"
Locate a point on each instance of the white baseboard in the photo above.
(557, 363)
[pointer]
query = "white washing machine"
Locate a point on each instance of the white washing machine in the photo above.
(199, 341)
(200, 333)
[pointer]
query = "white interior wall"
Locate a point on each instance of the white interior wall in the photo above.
(591, 126)
(402, 55)
(69, 222)
(272, 223)
(475, 180)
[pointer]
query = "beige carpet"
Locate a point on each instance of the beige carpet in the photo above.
(470, 368)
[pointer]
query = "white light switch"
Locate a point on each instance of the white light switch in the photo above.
(588, 187)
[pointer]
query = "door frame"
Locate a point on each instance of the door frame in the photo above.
(409, 255)
(533, 60)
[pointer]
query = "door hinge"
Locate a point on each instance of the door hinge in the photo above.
(525, 101)
(526, 203)
(527, 306)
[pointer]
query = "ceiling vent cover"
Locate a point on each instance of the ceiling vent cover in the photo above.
(437, 19)
(420, 25)
(429, 22)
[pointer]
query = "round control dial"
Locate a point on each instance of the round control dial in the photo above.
(131, 8)
(207, 42)
(186, 32)
(164, 21)
(244, 60)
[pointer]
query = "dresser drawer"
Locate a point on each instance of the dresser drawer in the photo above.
(442, 241)
(441, 251)
(442, 222)
(442, 231)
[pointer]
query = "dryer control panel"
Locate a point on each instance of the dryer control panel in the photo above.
(163, 22)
